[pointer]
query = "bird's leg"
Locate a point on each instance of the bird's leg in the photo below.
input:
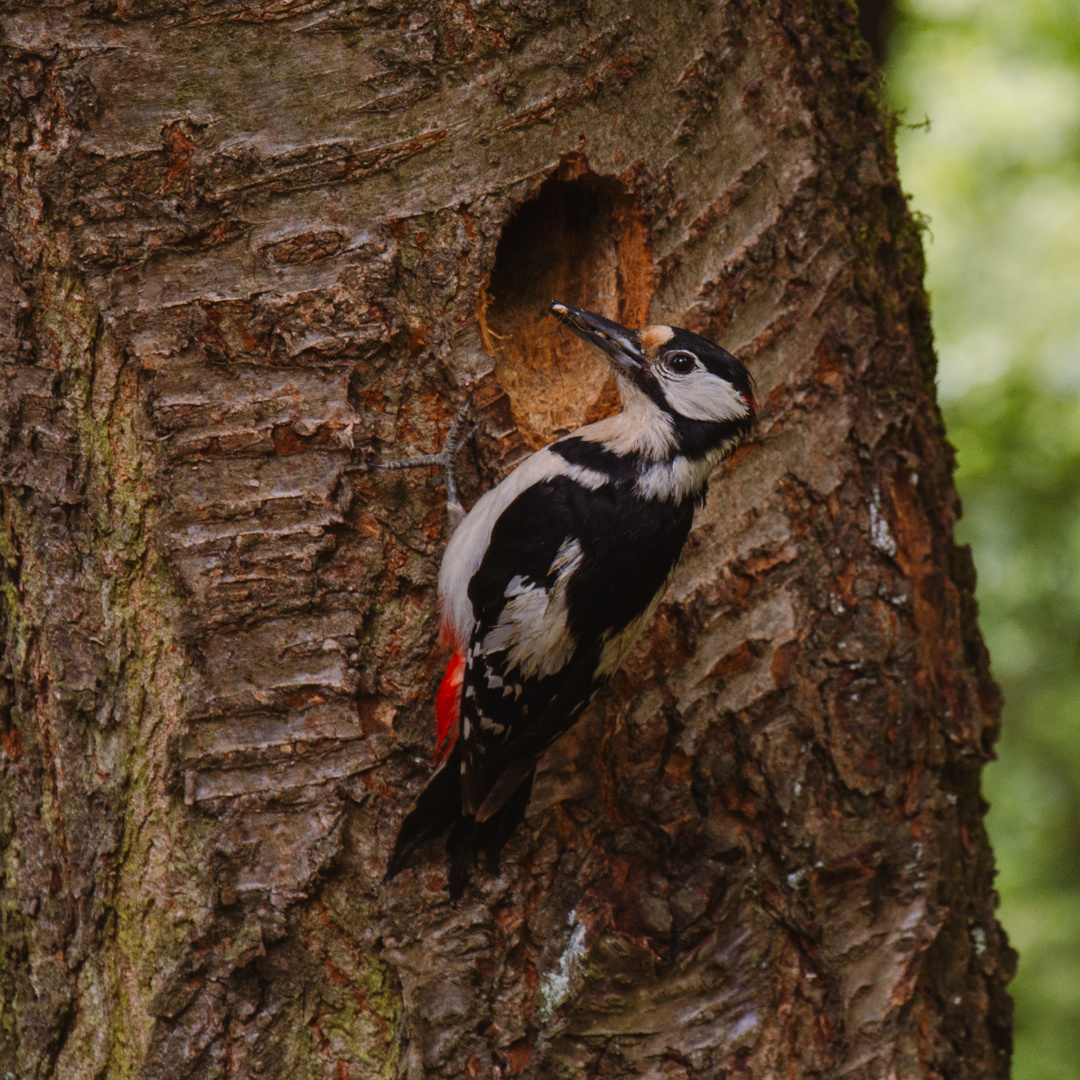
(454, 441)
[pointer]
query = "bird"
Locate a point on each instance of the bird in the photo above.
(553, 575)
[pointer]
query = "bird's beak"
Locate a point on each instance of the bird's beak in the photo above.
(622, 346)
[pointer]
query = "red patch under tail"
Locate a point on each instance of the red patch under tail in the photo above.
(448, 706)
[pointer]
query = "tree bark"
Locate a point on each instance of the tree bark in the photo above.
(246, 241)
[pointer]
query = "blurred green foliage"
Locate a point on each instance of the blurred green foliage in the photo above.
(997, 172)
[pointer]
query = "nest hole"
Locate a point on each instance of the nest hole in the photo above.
(582, 240)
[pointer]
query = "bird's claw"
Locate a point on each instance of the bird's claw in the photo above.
(444, 458)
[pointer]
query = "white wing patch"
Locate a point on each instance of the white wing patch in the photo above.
(532, 627)
(470, 541)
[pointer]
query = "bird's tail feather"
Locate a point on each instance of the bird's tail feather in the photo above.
(435, 809)
(469, 836)
(438, 808)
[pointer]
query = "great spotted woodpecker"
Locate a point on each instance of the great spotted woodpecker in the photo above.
(554, 573)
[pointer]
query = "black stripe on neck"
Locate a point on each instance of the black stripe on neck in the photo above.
(587, 454)
(695, 438)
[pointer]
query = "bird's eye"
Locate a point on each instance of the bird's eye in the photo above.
(680, 363)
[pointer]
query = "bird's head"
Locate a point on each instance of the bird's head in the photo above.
(704, 392)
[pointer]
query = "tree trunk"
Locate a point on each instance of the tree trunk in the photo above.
(246, 241)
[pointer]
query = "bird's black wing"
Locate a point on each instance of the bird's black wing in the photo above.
(567, 569)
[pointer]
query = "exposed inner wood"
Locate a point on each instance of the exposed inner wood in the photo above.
(581, 241)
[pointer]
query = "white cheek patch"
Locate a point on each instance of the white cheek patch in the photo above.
(701, 395)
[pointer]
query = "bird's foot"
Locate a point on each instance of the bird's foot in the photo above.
(456, 438)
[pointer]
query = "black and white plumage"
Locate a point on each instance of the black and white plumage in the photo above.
(555, 572)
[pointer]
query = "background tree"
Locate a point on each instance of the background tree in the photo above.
(244, 242)
(997, 168)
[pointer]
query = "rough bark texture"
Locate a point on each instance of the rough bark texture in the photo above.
(244, 241)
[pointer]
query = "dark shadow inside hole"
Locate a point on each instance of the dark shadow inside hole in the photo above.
(581, 241)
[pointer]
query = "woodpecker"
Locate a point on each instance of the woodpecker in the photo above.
(553, 575)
